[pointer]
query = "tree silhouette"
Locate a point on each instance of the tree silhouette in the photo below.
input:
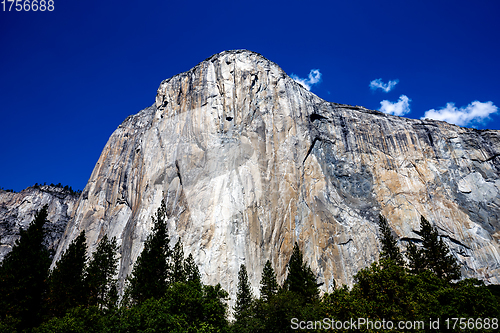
(434, 254)
(152, 272)
(66, 281)
(390, 249)
(268, 284)
(191, 269)
(23, 275)
(178, 270)
(243, 294)
(300, 278)
(101, 286)
(416, 260)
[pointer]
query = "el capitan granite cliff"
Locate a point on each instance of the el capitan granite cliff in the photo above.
(249, 162)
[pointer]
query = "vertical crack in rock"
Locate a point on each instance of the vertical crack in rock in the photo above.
(178, 172)
(310, 149)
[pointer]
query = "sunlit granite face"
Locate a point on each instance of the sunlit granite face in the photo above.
(249, 162)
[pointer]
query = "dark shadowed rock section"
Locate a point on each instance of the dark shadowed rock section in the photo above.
(17, 211)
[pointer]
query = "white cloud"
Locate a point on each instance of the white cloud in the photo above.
(314, 78)
(399, 108)
(475, 112)
(378, 84)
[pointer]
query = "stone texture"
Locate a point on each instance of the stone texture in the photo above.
(250, 162)
(17, 211)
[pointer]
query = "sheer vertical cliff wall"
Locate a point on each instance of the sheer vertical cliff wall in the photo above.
(249, 162)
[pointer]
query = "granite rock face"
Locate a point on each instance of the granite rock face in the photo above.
(17, 211)
(249, 162)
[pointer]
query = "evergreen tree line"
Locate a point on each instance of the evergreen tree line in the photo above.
(59, 185)
(421, 285)
(31, 294)
(164, 292)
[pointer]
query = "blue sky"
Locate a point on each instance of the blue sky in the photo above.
(69, 77)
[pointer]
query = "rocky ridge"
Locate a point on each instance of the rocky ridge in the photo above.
(249, 162)
(17, 211)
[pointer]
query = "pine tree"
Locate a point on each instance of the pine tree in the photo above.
(416, 260)
(191, 269)
(300, 278)
(268, 284)
(243, 295)
(23, 275)
(100, 272)
(66, 281)
(390, 249)
(112, 297)
(178, 271)
(152, 272)
(434, 254)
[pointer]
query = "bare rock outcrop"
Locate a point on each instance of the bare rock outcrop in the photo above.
(17, 211)
(250, 162)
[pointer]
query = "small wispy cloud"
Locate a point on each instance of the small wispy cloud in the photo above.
(314, 77)
(378, 84)
(474, 113)
(399, 108)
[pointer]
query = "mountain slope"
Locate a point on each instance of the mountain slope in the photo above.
(17, 210)
(250, 162)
